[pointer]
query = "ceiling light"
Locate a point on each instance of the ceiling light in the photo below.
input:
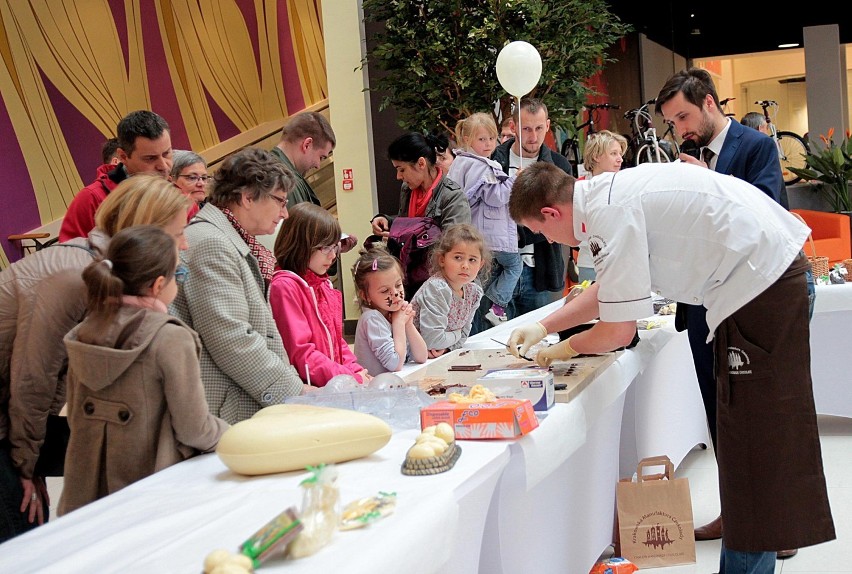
(796, 45)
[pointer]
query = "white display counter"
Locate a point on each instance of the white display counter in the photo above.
(543, 502)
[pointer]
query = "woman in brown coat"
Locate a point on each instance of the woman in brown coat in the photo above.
(42, 297)
(135, 400)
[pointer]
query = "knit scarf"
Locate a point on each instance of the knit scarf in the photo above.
(144, 302)
(420, 198)
(265, 259)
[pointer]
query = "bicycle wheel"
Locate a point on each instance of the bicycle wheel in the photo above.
(792, 151)
(647, 153)
(572, 153)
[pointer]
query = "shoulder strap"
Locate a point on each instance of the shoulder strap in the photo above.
(83, 247)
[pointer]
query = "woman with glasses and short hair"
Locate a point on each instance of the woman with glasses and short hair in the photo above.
(244, 366)
(189, 174)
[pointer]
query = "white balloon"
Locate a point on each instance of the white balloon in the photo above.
(518, 68)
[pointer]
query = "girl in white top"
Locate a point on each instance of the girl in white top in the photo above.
(385, 337)
(444, 306)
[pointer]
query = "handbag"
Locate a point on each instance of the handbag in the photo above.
(655, 526)
(51, 456)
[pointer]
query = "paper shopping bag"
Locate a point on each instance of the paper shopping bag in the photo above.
(655, 524)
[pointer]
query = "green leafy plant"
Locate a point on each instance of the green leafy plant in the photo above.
(831, 167)
(439, 56)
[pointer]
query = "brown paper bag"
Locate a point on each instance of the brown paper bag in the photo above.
(655, 524)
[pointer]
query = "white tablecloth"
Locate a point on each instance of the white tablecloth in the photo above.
(543, 502)
(831, 333)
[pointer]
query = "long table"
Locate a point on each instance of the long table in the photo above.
(831, 332)
(546, 499)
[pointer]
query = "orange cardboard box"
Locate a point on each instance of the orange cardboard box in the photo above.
(504, 418)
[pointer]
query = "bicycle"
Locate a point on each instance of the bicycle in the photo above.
(571, 146)
(792, 148)
(644, 145)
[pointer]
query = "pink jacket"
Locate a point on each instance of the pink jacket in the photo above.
(309, 315)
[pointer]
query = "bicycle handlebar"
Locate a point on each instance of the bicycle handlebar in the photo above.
(766, 103)
(726, 100)
(605, 106)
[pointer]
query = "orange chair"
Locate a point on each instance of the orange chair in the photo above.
(831, 233)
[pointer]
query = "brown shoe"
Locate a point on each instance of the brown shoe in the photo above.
(782, 554)
(711, 531)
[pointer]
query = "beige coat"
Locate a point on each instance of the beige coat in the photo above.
(135, 403)
(42, 297)
(243, 363)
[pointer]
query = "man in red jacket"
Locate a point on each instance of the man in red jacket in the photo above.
(145, 145)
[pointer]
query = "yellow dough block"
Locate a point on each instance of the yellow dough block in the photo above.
(282, 438)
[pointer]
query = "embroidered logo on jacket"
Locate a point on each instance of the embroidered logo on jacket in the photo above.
(738, 362)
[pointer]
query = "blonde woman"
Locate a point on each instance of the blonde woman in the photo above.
(42, 297)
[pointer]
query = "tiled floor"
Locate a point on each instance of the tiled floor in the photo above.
(832, 557)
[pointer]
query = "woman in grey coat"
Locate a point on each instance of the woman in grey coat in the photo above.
(244, 366)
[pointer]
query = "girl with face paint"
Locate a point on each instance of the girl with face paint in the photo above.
(385, 338)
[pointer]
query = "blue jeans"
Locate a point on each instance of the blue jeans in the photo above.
(735, 562)
(504, 277)
(526, 297)
(809, 277)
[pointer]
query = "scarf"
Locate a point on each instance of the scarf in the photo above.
(265, 259)
(151, 303)
(419, 199)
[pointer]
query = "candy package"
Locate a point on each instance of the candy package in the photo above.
(319, 513)
(365, 511)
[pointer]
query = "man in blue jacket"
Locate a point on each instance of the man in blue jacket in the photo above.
(689, 100)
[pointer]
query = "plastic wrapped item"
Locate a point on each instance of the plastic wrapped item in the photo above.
(272, 538)
(365, 511)
(386, 381)
(341, 384)
(399, 407)
(614, 565)
(320, 514)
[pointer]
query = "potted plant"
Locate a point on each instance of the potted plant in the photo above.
(830, 166)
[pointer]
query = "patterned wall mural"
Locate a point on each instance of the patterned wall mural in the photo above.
(71, 69)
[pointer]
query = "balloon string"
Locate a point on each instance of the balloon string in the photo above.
(520, 134)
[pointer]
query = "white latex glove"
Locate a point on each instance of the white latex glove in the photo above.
(559, 352)
(526, 337)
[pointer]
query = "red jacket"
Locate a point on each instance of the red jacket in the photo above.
(80, 218)
(309, 316)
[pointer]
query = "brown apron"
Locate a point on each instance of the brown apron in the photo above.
(771, 478)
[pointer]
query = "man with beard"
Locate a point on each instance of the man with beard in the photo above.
(689, 100)
(543, 274)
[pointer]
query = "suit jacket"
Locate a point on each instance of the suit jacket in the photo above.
(244, 366)
(752, 156)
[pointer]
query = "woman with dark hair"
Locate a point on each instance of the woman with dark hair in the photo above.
(244, 366)
(426, 191)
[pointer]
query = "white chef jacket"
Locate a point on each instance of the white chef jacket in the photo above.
(684, 232)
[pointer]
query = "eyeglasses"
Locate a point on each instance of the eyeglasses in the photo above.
(181, 273)
(196, 178)
(329, 249)
(282, 201)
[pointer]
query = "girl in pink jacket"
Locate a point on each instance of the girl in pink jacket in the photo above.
(307, 309)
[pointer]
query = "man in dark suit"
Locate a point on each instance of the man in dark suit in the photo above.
(689, 100)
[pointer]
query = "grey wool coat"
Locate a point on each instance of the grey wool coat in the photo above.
(135, 403)
(244, 366)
